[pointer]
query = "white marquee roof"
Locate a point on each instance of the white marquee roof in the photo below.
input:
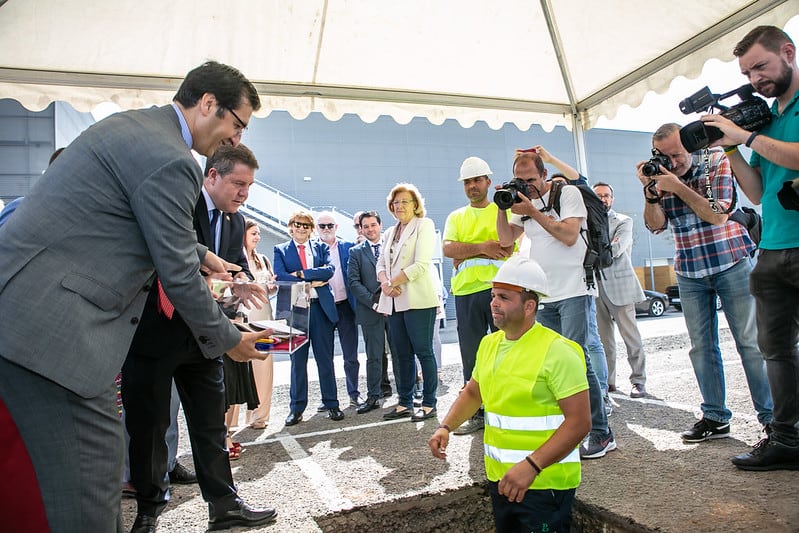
(518, 61)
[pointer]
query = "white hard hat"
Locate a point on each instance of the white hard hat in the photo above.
(473, 167)
(523, 273)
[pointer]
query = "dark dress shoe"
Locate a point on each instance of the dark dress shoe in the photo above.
(387, 393)
(335, 414)
(242, 516)
(396, 413)
(293, 419)
(143, 524)
(420, 414)
(369, 405)
(180, 475)
(321, 408)
(769, 454)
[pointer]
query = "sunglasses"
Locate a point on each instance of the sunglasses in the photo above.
(326, 226)
(302, 225)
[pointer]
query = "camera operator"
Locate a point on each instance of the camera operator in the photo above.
(711, 258)
(767, 56)
(556, 244)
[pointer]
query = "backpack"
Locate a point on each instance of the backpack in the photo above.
(598, 254)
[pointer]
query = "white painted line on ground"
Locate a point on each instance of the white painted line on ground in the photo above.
(325, 487)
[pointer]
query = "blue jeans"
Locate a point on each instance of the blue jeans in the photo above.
(775, 285)
(411, 333)
(698, 298)
(595, 349)
(540, 511)
(570, 318)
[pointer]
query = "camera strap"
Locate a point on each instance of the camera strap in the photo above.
(714, 205)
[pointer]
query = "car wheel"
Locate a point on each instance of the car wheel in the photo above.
(657, 307)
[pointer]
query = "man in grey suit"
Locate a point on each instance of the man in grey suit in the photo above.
(77, 261)
(619, 290)
(362, 280)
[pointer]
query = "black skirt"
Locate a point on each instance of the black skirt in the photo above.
(239, 384)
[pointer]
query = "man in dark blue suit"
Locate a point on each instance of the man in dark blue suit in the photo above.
(164, 349)
(362, 280)
(345, 302)
(303, 260)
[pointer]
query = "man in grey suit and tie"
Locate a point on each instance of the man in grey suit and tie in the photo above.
(619, 290)
(77, 261)
(362, 279)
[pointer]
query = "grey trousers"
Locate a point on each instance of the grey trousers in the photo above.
(75, 445)
(624, 317)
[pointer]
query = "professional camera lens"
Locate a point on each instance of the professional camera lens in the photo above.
(505, 198)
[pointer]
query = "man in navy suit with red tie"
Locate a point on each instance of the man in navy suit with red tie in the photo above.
(301, 259)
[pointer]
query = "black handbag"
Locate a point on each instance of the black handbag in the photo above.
(751, 220)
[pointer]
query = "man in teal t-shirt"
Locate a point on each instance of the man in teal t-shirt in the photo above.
(767, 56)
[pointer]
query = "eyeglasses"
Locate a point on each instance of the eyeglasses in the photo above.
(303, 225)
(241, 127)
(397, 203)
(326, 226)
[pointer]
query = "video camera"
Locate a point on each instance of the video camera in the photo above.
(508, 193)
(751, 114)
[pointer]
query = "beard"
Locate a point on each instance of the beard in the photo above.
(775, 88)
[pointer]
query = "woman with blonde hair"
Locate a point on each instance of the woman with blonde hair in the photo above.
(409, 298)
(262, 369)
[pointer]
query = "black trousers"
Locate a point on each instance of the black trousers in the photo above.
(473, 312)
(146, 393)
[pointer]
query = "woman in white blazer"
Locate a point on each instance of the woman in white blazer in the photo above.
(409, 298)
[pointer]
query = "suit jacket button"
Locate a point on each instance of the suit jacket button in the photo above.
(146, 288)
(134, 320)
(203, 339)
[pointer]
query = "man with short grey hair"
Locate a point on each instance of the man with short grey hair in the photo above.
(619, 290)
(326, 226)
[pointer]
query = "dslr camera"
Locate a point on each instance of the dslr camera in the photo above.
(508, 194)
(751, 114)
(652, 167)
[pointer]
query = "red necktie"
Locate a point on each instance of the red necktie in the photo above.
(165, 307)
(303, 261)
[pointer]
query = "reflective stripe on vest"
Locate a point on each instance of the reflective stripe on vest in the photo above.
(516, 456)
(524, 423)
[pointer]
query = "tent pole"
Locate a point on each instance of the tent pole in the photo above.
(578, 133)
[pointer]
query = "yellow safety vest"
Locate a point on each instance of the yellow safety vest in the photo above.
(515, 426)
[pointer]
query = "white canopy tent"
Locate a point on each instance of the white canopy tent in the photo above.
(547, 62)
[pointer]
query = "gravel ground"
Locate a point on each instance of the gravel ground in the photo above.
(366, 474)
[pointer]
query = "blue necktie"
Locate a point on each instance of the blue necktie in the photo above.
(214, 221)
(376, 250)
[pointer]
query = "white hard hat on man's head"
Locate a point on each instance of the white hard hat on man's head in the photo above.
(473, 167)
(521, 273)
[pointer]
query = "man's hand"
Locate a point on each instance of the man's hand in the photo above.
(251, 294)
(493, 250)
(524, 208)
(545, 156)
(516, 481)
(438, 443)
(733, 134)
(666, 181)
(212, 263)
(245, 350)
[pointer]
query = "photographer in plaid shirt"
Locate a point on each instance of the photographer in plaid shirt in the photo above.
(712, 258)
